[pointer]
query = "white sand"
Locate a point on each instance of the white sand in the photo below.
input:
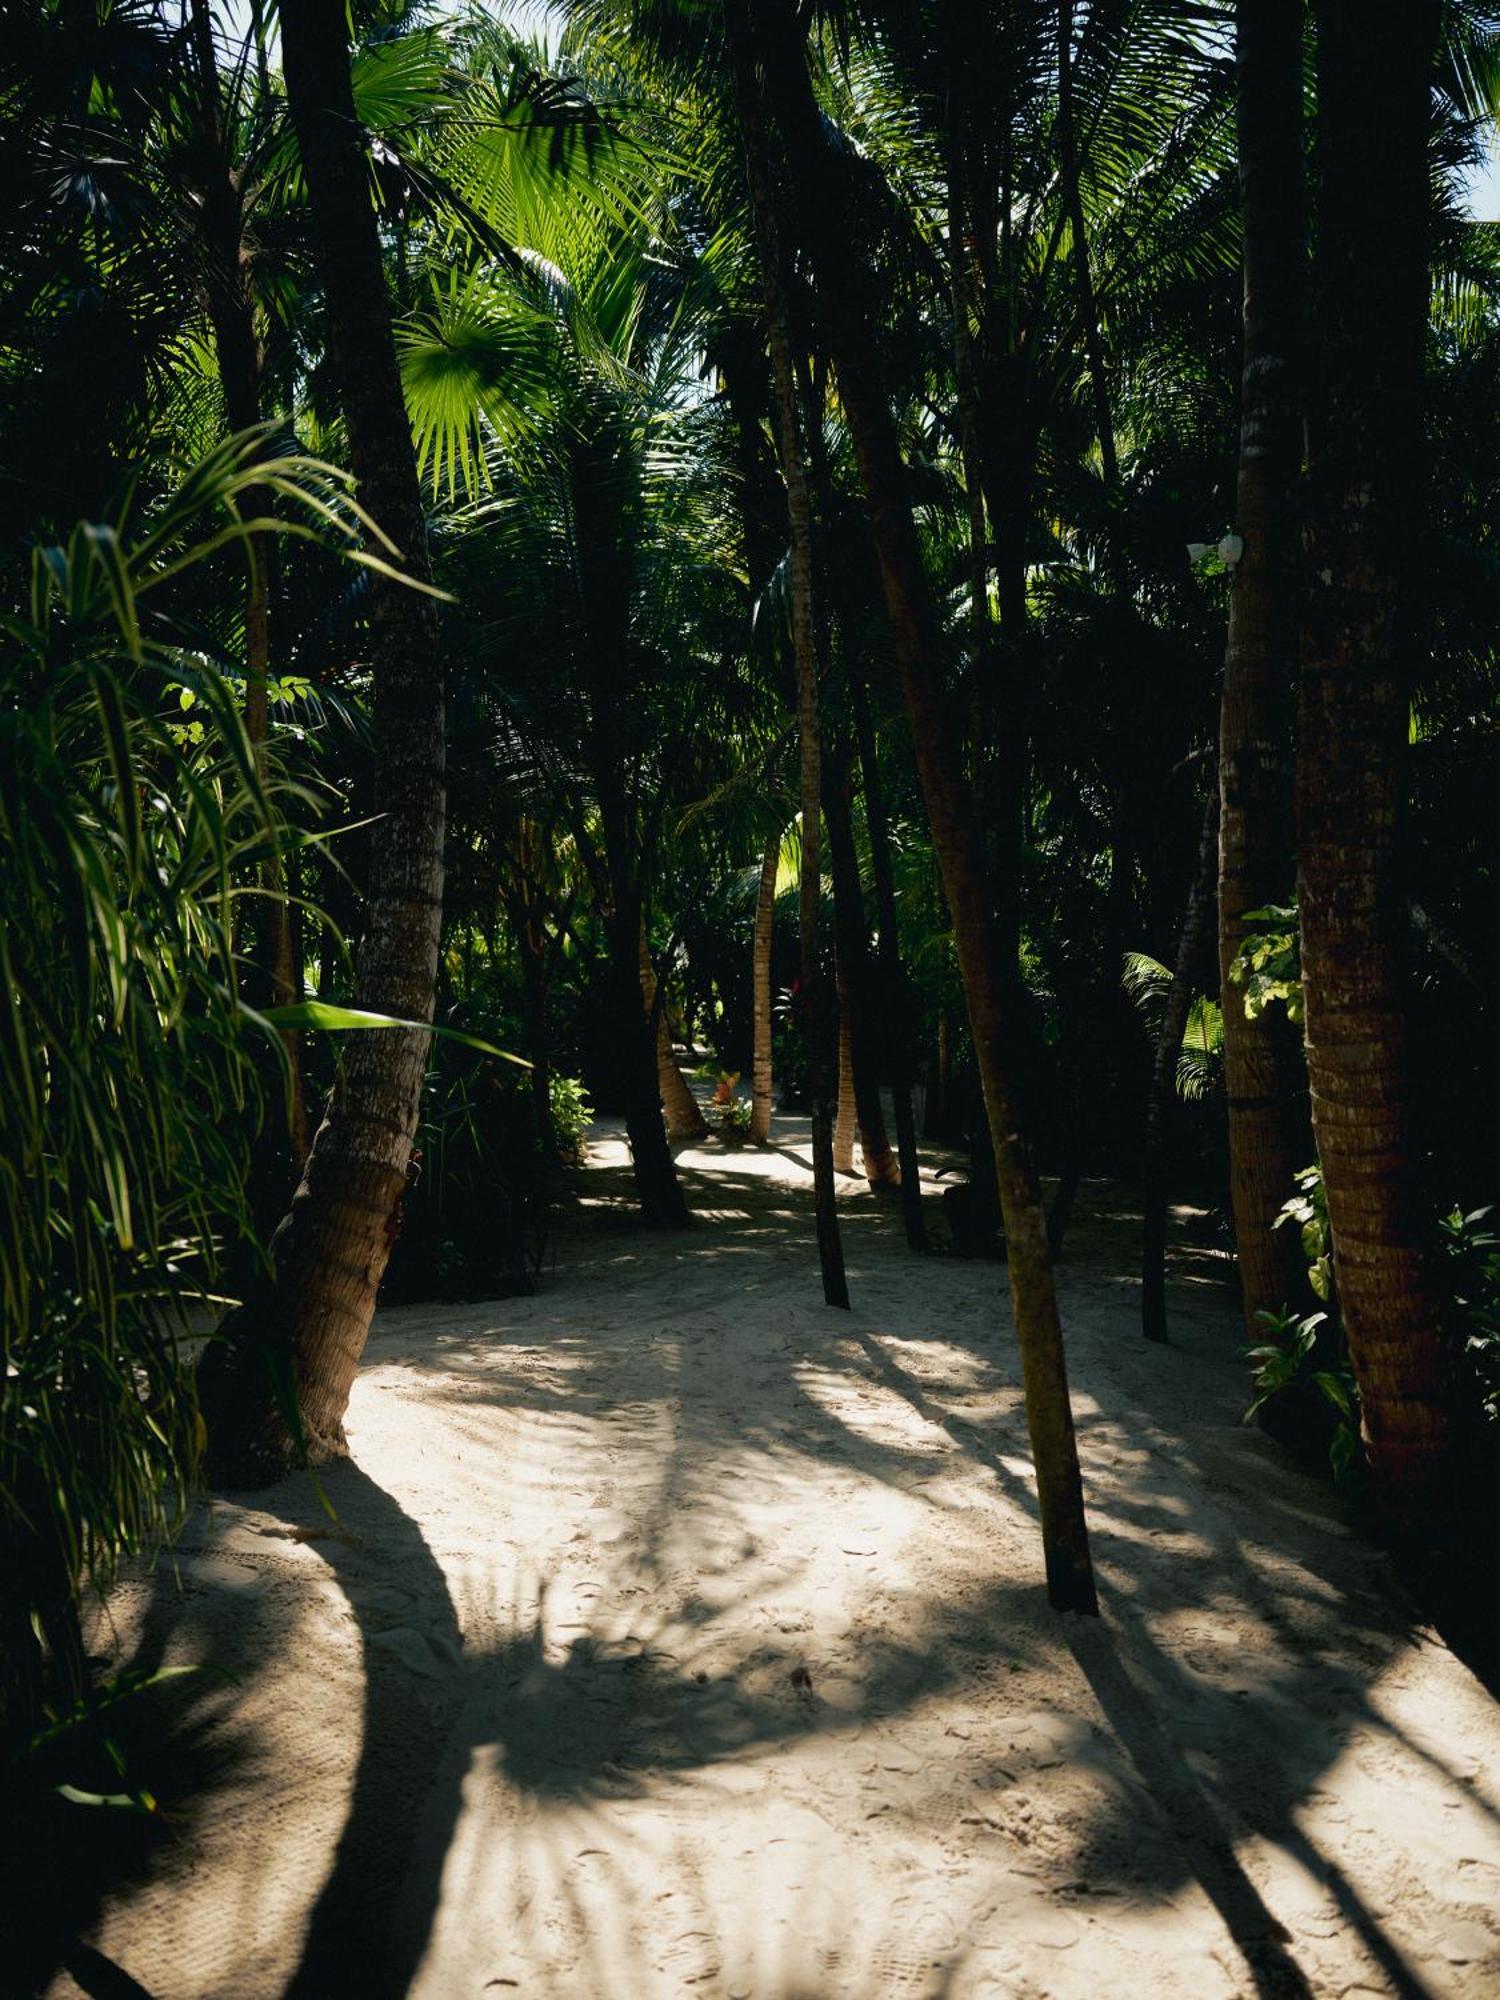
(683, 1636)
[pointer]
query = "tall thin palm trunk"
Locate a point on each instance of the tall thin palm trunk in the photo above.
(986, 975)
(816, 1024)
(303, 1334)
(761, 1087)
(1269, 1137)
(899, 1011)
(1161, 1100)
(857, 1019)
(846, 1120)
(685, 1119)
(1366, 479)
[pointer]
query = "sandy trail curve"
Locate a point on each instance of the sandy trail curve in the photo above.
(680, 1636)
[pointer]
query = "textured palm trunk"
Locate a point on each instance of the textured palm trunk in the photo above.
(935, 1118)
(1161, 1101)
(1265, 1091)
(984, 971)
(1370, 310)
(815, 1011)
(685, 1120)
(899, 1011)
(855, 983)
(657, 1187)
(846, 1122)
(302, 1336)
(762, 1086)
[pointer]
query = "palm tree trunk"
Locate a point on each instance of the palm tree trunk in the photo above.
(684, 1118)
(303, 1335)
(1266, 1100)
(816, 1024)
(935, 1119)
(657, 1187)
(1370, 313)
(856, 1002)
(762, 1086)
(846, 1122)
(1162, 1099)
(985, 974)
(898, 1005)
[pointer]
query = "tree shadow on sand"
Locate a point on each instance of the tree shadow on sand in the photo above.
(1198, 1753)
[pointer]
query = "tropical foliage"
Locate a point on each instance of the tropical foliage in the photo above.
(1005, 381)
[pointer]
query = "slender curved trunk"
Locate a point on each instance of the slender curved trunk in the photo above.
(534, 1013)
(899, 1011)
(1269, 1137)
(762, 1087)
(685, 1119)
(986, 975)
(846, 1122)
(657, 1187)
(815, 1011)
(935, 1118)
(855, 985)
(1161, 1101)
(302, 1335)
(1366, 478)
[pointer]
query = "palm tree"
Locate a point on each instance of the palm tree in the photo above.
(986, 977)
(1166, 1056)
(765, 936)
(1369, 319)
(302, 1335)
(685, 1119)
(1261, 1061)
(805, 649)
(858, 1040)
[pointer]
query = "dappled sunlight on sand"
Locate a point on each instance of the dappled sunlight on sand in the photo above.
(680, 1635)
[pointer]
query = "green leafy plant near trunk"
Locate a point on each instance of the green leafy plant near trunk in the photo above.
(129, 1102)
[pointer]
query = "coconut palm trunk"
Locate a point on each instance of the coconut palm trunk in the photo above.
(815, 1012)
(986, 975)
(302, 1335)
(1264, 1086)
(1364, 497)
(658, 1190)
(898, 1006)
(846, 1120)
(1161, 1100)
(761, 1081)
(685, 1119)
(855, 983)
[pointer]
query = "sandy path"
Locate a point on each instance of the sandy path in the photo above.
(680, 1636)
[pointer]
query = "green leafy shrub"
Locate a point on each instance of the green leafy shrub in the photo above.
(733, 1116)
(129, 1100)
(1308, 1210)
(1287, 1359)
(1269, 963)
(1473, 1250)
(1305, 1353)
(572, 1114)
